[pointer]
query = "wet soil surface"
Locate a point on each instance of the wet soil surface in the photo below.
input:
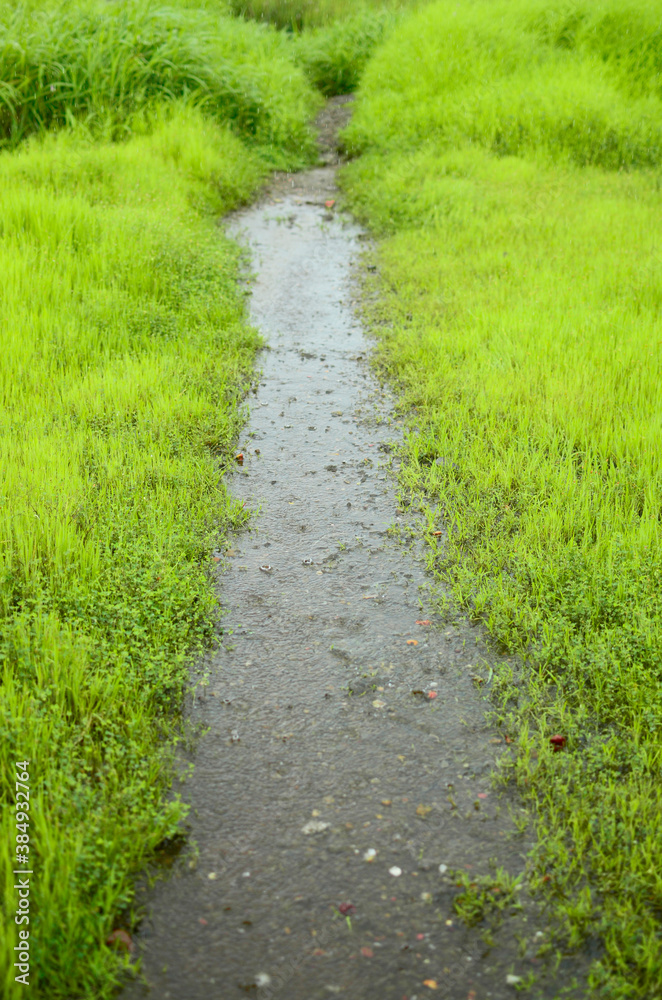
(345, 771)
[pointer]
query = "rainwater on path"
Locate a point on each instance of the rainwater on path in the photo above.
(345, 770)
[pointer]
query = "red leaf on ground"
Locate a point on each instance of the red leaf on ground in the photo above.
(432, 694)
(346, 908)
(330, 203)
(367, 952)
(424, 622)
(120, 939)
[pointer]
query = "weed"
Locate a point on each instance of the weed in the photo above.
(486, 898)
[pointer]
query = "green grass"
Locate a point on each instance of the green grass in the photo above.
(125, 357)
(510, 161)
(297, 15)
(127, 131)
(334, 57)
(103, 64)
(331, 40)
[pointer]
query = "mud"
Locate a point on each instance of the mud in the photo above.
(347, 755)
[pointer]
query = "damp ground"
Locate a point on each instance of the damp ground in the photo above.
(344, 774)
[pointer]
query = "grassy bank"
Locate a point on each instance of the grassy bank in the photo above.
(510, 159)
(125, 359)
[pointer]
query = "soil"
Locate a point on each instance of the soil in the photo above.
(344, 774)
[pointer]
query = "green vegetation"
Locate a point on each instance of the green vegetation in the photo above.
(510, 158)
(125, 359)
(335, 57)
(296, 15)
(105, 64)
(509, 155)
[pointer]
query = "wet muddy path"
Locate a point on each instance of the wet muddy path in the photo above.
(347, 757)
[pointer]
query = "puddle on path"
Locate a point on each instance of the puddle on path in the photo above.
(298, 783)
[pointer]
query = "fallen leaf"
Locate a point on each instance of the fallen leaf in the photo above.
(412, 642)
(508, 739)
(431, 984)
(424, 622)
(121, 940)
(482, 795)
(367, 952)
(432, 694)
(202, 921)
(436, 533)
(386, 802)
(319, 951)
(330, 203)
(420, 937)
(377, 703)
(347, 908)
(558, 742)
(423, 810)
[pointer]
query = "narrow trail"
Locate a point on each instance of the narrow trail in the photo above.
(328, 777)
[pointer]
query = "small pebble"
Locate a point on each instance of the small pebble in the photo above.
(314, 826)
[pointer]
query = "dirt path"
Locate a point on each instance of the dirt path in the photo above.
(312, 805)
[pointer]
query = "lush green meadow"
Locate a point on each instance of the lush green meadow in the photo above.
(125, 360)
(510, 156)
